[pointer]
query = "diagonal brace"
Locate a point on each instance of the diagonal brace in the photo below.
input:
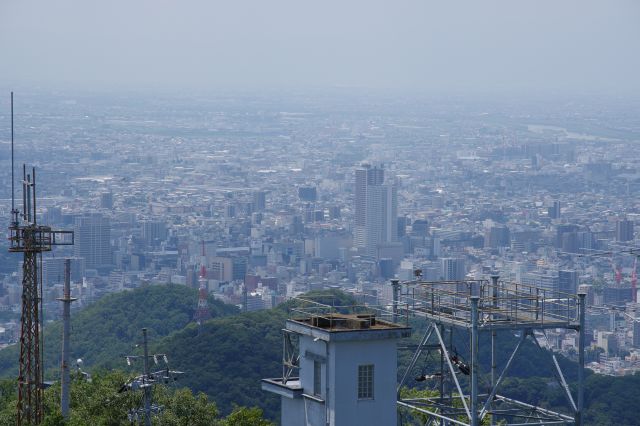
(416, 355)
(444, 350)
(558, 374)
(494, 389)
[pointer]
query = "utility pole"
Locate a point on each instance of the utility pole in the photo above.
(66, 300)
(146, 381)
(147, 388)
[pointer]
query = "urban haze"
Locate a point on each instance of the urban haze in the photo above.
(320, 213)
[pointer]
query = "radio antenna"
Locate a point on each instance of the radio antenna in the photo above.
(14, 214)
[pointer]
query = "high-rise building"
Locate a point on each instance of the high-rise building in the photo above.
(554, 211)
(93, 240)
(497, 236)
(308, 193)
(568, 281)
(259, 200)
(403, 221)
(376, 210)
(238, 267)
(154, 232)
(624, 230)
(221, 269)
(562, 229)
(106, 200)
(636, 333)
(453, 268)
(570, 243)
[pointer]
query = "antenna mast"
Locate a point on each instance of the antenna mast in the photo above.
(30, 239)
(14, 212)
(65, 380)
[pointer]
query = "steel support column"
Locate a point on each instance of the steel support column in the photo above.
(66, 299)
(474, 361)
(581, 336)
(494, 304)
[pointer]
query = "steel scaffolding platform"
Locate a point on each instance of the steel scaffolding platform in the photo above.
(488, 306)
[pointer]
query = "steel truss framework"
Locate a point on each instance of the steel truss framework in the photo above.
(31, 239)
(480, 306)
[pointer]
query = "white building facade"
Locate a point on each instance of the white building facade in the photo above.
(347, 376)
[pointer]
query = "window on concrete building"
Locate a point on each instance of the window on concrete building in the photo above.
(365, 381)
(317, 378)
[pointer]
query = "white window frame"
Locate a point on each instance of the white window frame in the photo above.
(366, 380)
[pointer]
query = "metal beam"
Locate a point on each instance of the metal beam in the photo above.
(431, 413)
(425, 338)
(475, 421)
(444, 350)
(581, 337)
(557, 372)
(494, 388)
(525, 405)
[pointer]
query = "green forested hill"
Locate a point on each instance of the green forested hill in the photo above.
(229, 355)
(108, 329)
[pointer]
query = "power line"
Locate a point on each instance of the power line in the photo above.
(146, 381)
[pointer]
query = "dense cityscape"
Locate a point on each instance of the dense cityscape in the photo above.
(259, 198)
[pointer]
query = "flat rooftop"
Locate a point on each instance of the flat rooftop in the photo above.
(346, 322)
(344, 327)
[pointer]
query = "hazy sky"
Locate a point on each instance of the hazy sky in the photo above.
(441, 45)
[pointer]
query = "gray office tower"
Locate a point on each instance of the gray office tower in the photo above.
(376, 210)
(568, 281)
(154, 232)
(624, 230)
(93, 240)
(106, 200)
(259, 200)
(453, 268)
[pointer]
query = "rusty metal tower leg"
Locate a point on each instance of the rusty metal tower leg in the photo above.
(30, 374)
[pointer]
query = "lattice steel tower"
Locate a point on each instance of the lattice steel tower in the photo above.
(202, 313)
(31, 239)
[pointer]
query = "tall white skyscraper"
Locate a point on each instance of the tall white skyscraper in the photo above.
(376, 210)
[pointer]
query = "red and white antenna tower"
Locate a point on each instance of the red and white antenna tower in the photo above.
(202, 311)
